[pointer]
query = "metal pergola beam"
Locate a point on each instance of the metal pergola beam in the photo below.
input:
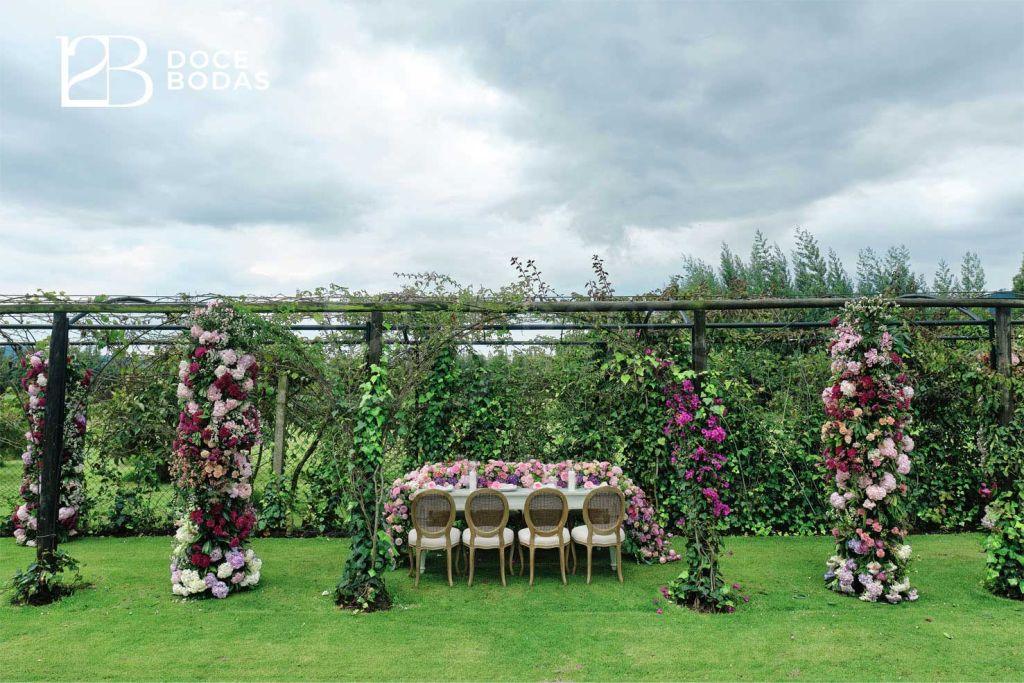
(390, 305)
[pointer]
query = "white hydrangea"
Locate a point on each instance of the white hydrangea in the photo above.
(224, 570)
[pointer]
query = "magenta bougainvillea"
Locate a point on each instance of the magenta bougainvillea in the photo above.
(72, 479)
(217, 428)
(645, 538)
(867, 453)
(696, 436)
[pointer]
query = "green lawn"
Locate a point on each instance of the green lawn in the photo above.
(128, 626)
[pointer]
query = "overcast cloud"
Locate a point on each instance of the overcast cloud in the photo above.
(450, 137)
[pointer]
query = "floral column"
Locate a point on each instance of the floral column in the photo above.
(72, 478)
(217, 428)
(695, 432)
(867, 452)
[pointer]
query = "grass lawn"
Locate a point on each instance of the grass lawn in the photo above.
(128, 626)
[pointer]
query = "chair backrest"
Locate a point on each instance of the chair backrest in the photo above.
(604, 509)
(545, 511)
(486, 512)
(433, 513)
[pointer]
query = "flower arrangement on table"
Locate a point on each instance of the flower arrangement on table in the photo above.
(867, 452)
(645, 538)
(72, 477)
(217, 428)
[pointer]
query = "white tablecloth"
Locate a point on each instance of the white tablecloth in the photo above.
(517, 498)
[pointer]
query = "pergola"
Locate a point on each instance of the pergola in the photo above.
(153, 317)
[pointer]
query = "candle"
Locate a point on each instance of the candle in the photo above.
(572, 479)
(472, 477)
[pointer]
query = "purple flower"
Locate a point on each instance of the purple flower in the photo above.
(219, 590)
(236, 559)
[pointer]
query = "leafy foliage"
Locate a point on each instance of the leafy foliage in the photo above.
(43, 582)
(362, 586)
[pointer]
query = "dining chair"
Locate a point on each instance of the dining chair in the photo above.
(545, 511)
(604, 510)
(486, 519)
(433, 514)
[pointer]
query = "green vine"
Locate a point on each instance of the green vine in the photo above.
(362, 586)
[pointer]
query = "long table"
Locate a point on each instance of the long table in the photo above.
(516, 499)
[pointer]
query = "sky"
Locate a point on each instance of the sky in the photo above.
(353, 141)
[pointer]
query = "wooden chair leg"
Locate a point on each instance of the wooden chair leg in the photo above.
(522, 563)
(531, 565)
(410, 562)
(572, 548)
(472, 563)
(501, 564)
(561, 562)
(590, 560)
(618, 551)
(450, 566)
(419, 553)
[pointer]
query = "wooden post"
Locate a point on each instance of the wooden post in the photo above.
(1003, 355)
(699, 344)
(280, 402)
(53, 441)
(375, 337)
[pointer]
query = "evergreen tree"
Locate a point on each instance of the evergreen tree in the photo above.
(758, 272)
(698, 276)
(869, 272)
(898, 277)
(779, 283)
(972, 275)
(809, 270)
(945, 281)
(731, 271)
(837, 279)
(1018, 279)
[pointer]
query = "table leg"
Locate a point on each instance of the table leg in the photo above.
(611, 554)
(423, 561)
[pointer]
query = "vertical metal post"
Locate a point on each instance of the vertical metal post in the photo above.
(1003, 351)
(53, 440)
(280, 403)
(699, 344)
(375, 337)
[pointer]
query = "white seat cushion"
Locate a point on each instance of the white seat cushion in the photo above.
(579, 534)
(543, 541)
(434, 543)
(489, 541)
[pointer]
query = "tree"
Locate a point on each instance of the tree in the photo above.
(972, 275)
(779, 283)
(699, 276)
(837, 280)
(732, 271)
(945, 281)
(1018, 279)
(869, 272)
(809, 270)
(760, 260)
(897, 275)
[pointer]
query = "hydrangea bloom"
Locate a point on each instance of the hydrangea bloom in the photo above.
(866, 451)
(72, 476)
(217, 428)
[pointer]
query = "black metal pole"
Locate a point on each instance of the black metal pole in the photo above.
(53, 441)
(699, 338)
(1003, 358)
(375, 337)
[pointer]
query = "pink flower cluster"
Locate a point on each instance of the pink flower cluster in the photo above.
(867, 454)
(696, 432)
(217, 428)
(72, 481)
(645, 538)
